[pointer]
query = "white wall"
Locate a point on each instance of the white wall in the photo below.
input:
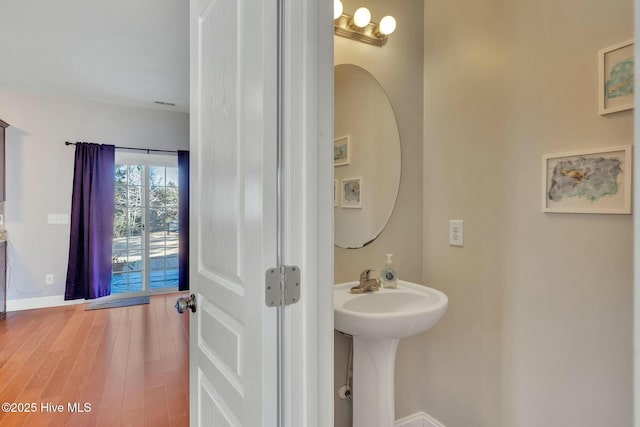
(538, 331)
(398, 68)
(39, 173)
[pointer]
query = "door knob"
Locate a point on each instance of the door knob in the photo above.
(184, 304)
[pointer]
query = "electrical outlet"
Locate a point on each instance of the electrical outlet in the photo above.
(456, 232)
(1, 219)
(48, 279)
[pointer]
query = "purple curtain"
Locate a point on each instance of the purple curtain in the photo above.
(183, 220)
(92, 210)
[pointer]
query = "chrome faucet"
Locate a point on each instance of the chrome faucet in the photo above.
(366, 283)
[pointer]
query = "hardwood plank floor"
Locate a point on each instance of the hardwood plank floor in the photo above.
(126, 366)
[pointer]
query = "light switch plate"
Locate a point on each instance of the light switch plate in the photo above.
(58, 219)
(456, 232)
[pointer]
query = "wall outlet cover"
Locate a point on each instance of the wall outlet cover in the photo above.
(456, 232)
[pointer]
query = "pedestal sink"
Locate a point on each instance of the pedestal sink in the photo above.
(377, 321)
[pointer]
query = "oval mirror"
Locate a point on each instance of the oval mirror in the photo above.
(366, 157)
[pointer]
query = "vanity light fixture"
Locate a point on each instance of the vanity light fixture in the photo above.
(359, 27)
(361, 18)
(337, 9)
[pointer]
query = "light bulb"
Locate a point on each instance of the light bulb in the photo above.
(337, 9)
(362, 17)
(387, 25)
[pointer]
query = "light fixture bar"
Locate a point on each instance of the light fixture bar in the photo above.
(344, 27)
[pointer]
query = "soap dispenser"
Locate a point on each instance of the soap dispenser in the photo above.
(388, 274)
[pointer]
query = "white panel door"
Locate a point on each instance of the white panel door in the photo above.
(233, 353)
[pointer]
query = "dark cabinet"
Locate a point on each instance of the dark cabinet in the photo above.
(3, 126)
(3, 279)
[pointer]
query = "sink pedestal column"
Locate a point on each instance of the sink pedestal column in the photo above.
(373, 376)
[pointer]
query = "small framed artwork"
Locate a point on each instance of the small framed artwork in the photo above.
(335, 193)
(616, 78)
(351, 193)
(595, 181)
(342, 151)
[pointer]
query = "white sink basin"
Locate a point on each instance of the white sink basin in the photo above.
(377, 321)
(388, 313)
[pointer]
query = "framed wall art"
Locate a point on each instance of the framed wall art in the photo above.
(594, 181)
(351, 190)
(342, 151)
(616, 78)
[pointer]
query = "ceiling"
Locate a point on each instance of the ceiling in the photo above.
(130, 52)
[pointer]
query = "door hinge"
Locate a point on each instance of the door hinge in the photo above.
(282, 286)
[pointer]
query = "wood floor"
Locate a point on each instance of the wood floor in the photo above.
(129, 364)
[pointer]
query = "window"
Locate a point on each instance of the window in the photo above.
(145, 229)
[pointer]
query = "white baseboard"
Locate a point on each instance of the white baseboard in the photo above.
(40, 302)
(419, 419)
(59, 301)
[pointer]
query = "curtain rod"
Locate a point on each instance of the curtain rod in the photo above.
(148, 150)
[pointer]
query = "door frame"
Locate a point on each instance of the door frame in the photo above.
(636, 232)
(307, 234)
(308, 210)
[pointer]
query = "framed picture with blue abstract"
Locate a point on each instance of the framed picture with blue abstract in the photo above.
(588, 181)
(616, 78)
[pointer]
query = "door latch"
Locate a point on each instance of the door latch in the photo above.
(184, 304)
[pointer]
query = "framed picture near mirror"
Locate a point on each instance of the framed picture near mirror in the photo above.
(351, 193)
(342, 151)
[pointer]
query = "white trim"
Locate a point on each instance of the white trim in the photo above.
(636, 239)
(59, 301)
(419, 419)
(308, 233)
(146, 159)
(40, 302)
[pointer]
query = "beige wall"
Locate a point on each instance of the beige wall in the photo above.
(538, 330)
(398, 68)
